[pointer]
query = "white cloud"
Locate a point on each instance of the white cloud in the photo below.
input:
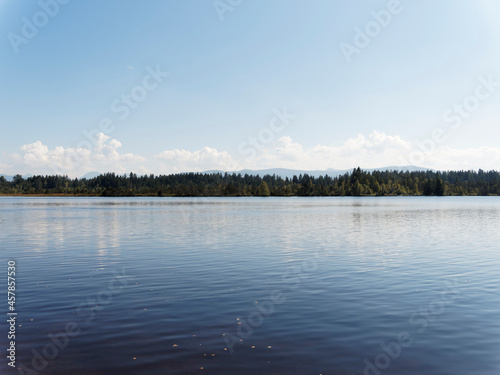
(37, 158)
(378, 149)
(207, 158)
(375, 150)
(446, 158)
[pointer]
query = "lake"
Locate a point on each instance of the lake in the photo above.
(396, 285)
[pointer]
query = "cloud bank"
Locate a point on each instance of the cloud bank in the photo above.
(36, 158)
(374, 150)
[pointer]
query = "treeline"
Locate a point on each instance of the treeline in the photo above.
(356, 183)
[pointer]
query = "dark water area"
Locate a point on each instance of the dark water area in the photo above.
(403, 285)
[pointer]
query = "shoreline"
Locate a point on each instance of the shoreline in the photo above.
(62, 195)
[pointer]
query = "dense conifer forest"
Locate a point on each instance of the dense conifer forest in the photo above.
(356, 183)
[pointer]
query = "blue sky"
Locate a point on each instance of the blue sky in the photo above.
(232, 68)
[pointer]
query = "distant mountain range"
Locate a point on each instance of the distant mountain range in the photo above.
(90, 175)
(282, 172)
(10, 178)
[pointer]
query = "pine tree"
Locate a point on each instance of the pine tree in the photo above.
(439, 189)
(428, 187)
(263, 190)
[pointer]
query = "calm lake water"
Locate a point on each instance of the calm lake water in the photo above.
(406, 285)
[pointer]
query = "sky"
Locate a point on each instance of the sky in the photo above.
(176, 86)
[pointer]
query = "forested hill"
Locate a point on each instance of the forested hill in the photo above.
(356, 183)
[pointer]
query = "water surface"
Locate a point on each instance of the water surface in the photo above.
(309, 285)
